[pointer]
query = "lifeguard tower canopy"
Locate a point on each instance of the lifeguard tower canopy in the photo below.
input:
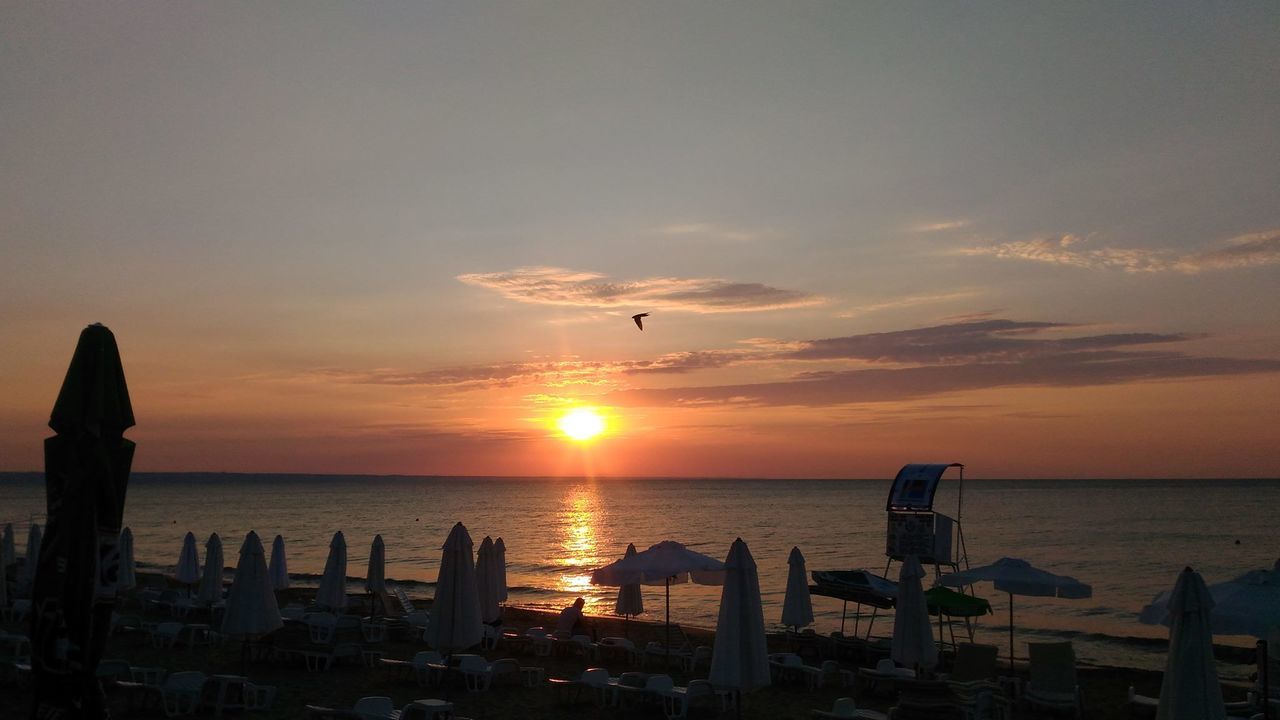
(914, 487)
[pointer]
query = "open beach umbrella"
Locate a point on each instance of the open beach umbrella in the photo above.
(912, 633)
(500, 568)
(375, 578)
(630, 600)
(333, 584)
(86, 468)
(455, 622)
(1246, 605)
(797, 606)
(8, 553)
(251, 603)
(210, 590)
(188, 570)
(1190, 689)
(27, 578)
(486, 580)
(128, 576)
(740, 657)
(1018, 577)
(279, 569)
(666, 563)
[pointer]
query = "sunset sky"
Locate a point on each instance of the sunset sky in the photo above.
(1041, 239)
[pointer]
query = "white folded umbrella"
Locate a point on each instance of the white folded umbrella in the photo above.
(375, 579)
(8, 552)
(333, 584)
(210, 590)
(455, 622)
(188, 570)
(279, 568)
(487, 580)
(797, 606)
(740, 657)
(912, 643)
(127, 577)
(1190, 689)
(500, 568)
(630, 598)
(251, 603)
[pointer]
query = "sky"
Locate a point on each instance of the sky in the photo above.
(1041, 239)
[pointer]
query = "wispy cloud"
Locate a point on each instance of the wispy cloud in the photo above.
(560, 286)
(929, 227)
(926, 362)
(1243, 251)
(706, 231)
(905, 302)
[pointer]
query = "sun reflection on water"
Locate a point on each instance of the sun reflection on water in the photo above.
(580, 526)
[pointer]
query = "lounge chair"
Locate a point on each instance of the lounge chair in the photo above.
(676, 704)
(425, 667)
(846, 709)
(377, 707)
(785, 667)
(701, 655)
(1053, 686)
(626, 685)
(321, 627)
(180, 692)
(478, 674)
(613, 647)
(595, 680)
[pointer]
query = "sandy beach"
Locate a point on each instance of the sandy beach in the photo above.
(1104, 688)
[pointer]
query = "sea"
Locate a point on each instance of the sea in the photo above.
(1127, 538)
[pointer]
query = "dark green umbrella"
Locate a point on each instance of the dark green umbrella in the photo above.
(86, 474)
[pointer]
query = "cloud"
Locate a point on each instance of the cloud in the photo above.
(906, 302)
(940, 226)
(560, 286)
(1243, 251)
(943, 359)
(706, 231)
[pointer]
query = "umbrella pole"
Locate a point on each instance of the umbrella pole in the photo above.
(843, 611)
(668, 623)
(1010, 634)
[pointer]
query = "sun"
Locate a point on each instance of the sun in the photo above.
(581, 423)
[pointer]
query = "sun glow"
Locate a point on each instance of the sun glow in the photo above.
(581, 423)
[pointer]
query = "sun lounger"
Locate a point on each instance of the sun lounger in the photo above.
(377, 707)
(846, 709)
(426, 667)
(625, 686)
(593, 680)
(1053, 685)
(677, 702)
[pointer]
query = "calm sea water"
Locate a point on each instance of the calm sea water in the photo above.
(1127, 538)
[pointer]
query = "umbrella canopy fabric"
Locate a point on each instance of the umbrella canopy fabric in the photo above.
(630, 599)
(210, 590)
(1018, 577)
(1190, 689)
(333, 584)
(1246, 605)
(912, 634)
(740, 658)
(500, 568)
(797, 606)
(279, 568)
(455, 613)
(27, 578)
(486, 580)
(188, 570)
(128, 577)
(666, 563)
(375, 579)
(86, 468)
(8, 552)
(251, 604)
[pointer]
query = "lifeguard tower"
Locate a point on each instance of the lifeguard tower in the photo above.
(915, 528)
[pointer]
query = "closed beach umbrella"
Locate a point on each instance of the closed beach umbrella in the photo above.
(28, 576)
(188, 571)
(630, 599)
(797, 606)
(740, 658)
(666, 563)
(210, 590)
(912, 634)
(8, 553)
(251, 602)
(487, 580)
(500, 568)
(1190, 689)
(128, 577)
(1018, 577)
(279, 565)
(333, 584)
(1246, 605)
(455, 613)
(86, 469)
(375, 579)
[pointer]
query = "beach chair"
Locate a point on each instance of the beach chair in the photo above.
(165, 634)
(816, 677)
(425, 667)
(846, 709)
(594, 680)
(974, 665)
(1053, 686)
(180, 692)
(616, 647)
(701, 655)
(376, 707)
(785, 667)
(625, 686)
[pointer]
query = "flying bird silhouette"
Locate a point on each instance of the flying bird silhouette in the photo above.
(637, 317)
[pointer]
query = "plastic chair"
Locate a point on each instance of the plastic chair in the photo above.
(376, 707)
(321, 627)
(180, 692)
(1053, 684)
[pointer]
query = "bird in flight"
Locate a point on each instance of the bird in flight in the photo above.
(637, 317)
